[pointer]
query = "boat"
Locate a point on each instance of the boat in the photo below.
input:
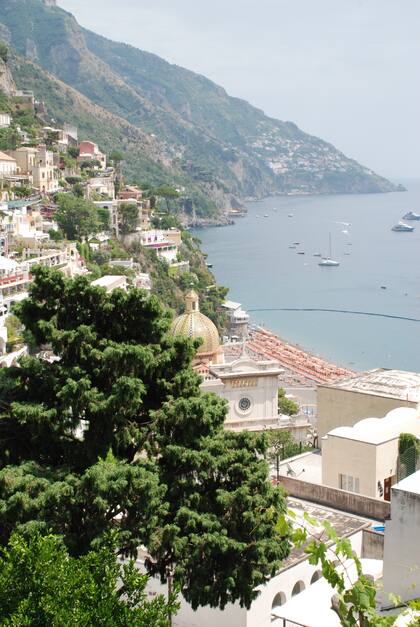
(317, 255)
(300, 252)
(266, 215)
(292, 246)
(296, 243)
(402, 228)
(383, 287)
(411, 215)
(328, 262)
(209, 265)
(290, 215)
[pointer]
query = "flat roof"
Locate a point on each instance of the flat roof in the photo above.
(399, 384)
(109, 280)
(345, 525)
(409, 484)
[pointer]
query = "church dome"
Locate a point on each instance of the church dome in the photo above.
(196, 325)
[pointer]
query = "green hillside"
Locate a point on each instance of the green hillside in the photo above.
(205, 138)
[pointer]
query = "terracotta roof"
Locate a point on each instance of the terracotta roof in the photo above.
(4, 157)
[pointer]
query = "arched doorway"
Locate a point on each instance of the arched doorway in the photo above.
(317, 575)
(298, 588)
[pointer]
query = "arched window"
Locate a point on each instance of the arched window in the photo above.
(279, 599)
(317, 575)
(297, 588)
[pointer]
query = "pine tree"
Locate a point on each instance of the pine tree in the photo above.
(114, 432)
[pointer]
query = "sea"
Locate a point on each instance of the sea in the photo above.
(363, 314)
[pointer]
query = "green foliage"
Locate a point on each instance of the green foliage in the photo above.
(56, 236)
(77, 217)
(122, 438)
(287, 407)
(4, 51)
(355, 598)
(9, 138)
(116, 156)
(40, 584)
(283, 446)
(73, 152)
(129, 217)
(14, 330)
(407, 441)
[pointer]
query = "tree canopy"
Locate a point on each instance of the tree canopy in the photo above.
(79, 218)
(114, 433)
(129, 216)
(41, 584)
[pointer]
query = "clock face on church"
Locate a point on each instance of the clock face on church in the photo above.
(244, 404)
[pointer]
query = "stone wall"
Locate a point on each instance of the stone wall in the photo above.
(372, 544)
(338, 499)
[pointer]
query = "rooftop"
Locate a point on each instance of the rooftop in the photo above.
(409, 484)
(378, 430)
(397, 384)
(343, 523)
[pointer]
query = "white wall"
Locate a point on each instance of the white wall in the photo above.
(402, 545)
(259, 615)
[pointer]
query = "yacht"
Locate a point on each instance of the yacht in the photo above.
(411, 215)
(402, 228)
(328, 262)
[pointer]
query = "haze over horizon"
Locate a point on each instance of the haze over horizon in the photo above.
(348, 74)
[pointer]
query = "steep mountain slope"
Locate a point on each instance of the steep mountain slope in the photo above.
(219, 143)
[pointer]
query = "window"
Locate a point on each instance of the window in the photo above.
(349, 483)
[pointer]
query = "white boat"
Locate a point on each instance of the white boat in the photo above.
(411, 215)
(266, 215)
(402, 228)
(290, 215)
(328, 262)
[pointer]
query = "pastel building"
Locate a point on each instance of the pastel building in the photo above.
(344, 402)
(89, 151)
(364, 458)
(39, 164)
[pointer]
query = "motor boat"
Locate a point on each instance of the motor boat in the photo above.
(402, 228)
(411, 215)
(317, 255)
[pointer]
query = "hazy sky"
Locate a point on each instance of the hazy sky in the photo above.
(345, 70)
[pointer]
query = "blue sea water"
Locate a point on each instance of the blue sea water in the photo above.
(254, 260)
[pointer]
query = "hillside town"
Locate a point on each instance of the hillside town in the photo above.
(147, 415)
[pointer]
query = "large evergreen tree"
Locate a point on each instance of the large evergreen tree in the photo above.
(113, 432)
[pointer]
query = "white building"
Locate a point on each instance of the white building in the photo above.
(344, 402)
(297, 592)
(251, 389)
(364, 458)
(238, 320)
(111, 282)
(5, 120)
(8, 165)
(402, 546)
(159, 241)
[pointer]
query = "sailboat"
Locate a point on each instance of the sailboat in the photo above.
(328, 262)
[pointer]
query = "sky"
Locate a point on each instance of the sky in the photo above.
(345, 70)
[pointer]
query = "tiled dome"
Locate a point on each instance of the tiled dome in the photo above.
(196, 325)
